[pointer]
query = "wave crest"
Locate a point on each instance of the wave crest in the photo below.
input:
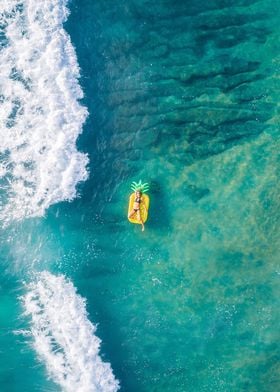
(64, 337)
(40, 113)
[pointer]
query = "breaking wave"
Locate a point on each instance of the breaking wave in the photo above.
(40, 113)
(64, 338)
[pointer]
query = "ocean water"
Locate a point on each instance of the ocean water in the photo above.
(183, 95)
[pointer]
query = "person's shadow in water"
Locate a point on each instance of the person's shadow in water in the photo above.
(159, 218)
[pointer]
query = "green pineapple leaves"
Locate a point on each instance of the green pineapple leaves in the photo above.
(139, 186)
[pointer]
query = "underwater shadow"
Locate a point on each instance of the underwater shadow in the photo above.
(159, 216)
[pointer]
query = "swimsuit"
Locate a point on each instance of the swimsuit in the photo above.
(137, 200)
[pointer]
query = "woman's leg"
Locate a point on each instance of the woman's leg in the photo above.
(140, 220)
(132, 212)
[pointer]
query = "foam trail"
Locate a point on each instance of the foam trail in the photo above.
(64, 337)
(40, 113)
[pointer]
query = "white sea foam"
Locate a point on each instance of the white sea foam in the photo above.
(40, 113)
(64, 337)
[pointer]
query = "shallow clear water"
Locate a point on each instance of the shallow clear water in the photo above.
(183, 96)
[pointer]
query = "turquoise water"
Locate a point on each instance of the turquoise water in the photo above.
(185, 97)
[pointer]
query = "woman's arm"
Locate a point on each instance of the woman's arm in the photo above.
(144, 205)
